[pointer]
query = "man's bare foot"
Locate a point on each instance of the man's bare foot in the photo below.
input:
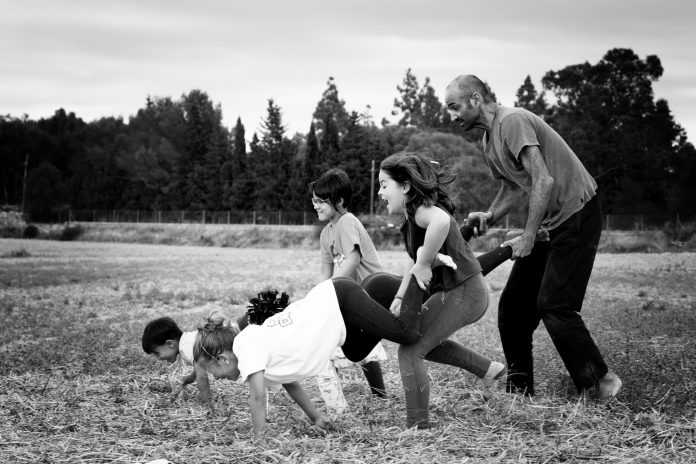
(609, 386)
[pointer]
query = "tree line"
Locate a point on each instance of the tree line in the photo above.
(176, 154)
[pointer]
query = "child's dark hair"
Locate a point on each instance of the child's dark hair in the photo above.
(213, 338)
(266, 304)
(158, 331)
(333, 185)
(426, 177)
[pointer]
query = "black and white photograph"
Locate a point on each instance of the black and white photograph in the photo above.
(347, 232)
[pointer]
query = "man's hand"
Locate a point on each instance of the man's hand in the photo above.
(521, 246)
(479, 221)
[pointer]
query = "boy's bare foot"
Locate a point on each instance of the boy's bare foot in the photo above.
(609, 386)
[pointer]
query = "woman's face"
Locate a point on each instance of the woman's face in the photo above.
(393, 192)
(224, 367)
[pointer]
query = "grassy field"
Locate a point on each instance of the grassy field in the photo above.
(76, 387)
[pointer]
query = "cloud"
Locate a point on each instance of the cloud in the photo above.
(103, 58)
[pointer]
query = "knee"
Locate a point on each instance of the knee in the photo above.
(381, 287)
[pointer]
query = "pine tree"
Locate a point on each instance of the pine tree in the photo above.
(239, 192)
(330, 106)
(409, 103)
(312, 161)
(528, 98)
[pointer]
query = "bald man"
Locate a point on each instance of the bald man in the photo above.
(549, 279)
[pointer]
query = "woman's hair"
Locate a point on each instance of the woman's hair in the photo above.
(214, 337)
(333, 185)
(158, 331)
(425, 176)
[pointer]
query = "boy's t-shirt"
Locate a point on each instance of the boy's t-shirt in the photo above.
(295, 343)
(338, 240)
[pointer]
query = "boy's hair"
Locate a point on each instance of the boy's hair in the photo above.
(214, 338)
(158, 331)
(333, 185)
(425, 176)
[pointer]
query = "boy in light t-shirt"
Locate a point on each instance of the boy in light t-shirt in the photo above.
(346, 251)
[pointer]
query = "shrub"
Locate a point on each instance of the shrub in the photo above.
(11, 224)
(21, 253)
(71, 232)
(30, 231)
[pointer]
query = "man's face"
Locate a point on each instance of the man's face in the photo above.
(461, 109)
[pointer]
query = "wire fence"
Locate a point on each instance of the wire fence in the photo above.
(280, 217)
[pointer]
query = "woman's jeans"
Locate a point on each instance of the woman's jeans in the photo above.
(442, 315)
(549, 285)
(367, 321)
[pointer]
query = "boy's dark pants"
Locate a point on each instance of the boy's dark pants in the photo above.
(549, 285)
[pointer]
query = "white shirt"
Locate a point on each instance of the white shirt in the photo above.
(186, 347)
(296, 343)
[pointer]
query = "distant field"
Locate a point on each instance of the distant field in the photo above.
(75, 385)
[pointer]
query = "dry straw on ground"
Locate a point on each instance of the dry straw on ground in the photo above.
(75, 386)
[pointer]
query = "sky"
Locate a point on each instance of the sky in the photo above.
(101, 58)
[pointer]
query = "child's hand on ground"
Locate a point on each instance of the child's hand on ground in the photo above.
(177, 388)
(324, 424)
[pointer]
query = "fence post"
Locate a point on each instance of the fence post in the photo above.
(159, 216)
(203, 217)
(228, 217)
(253, 217)
(304, 218)
(137, 216)
(608, 223)
(279, 219)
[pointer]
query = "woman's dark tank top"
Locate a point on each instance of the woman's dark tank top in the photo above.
(444, 278)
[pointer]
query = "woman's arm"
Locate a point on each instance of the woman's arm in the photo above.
(436, 223)
(298, 394)
(257, 402)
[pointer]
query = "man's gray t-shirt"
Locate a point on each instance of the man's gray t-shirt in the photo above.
(515, 128)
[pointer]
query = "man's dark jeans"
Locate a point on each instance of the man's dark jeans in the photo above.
(549, 285)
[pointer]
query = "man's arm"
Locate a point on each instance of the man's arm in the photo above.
(539, 196)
